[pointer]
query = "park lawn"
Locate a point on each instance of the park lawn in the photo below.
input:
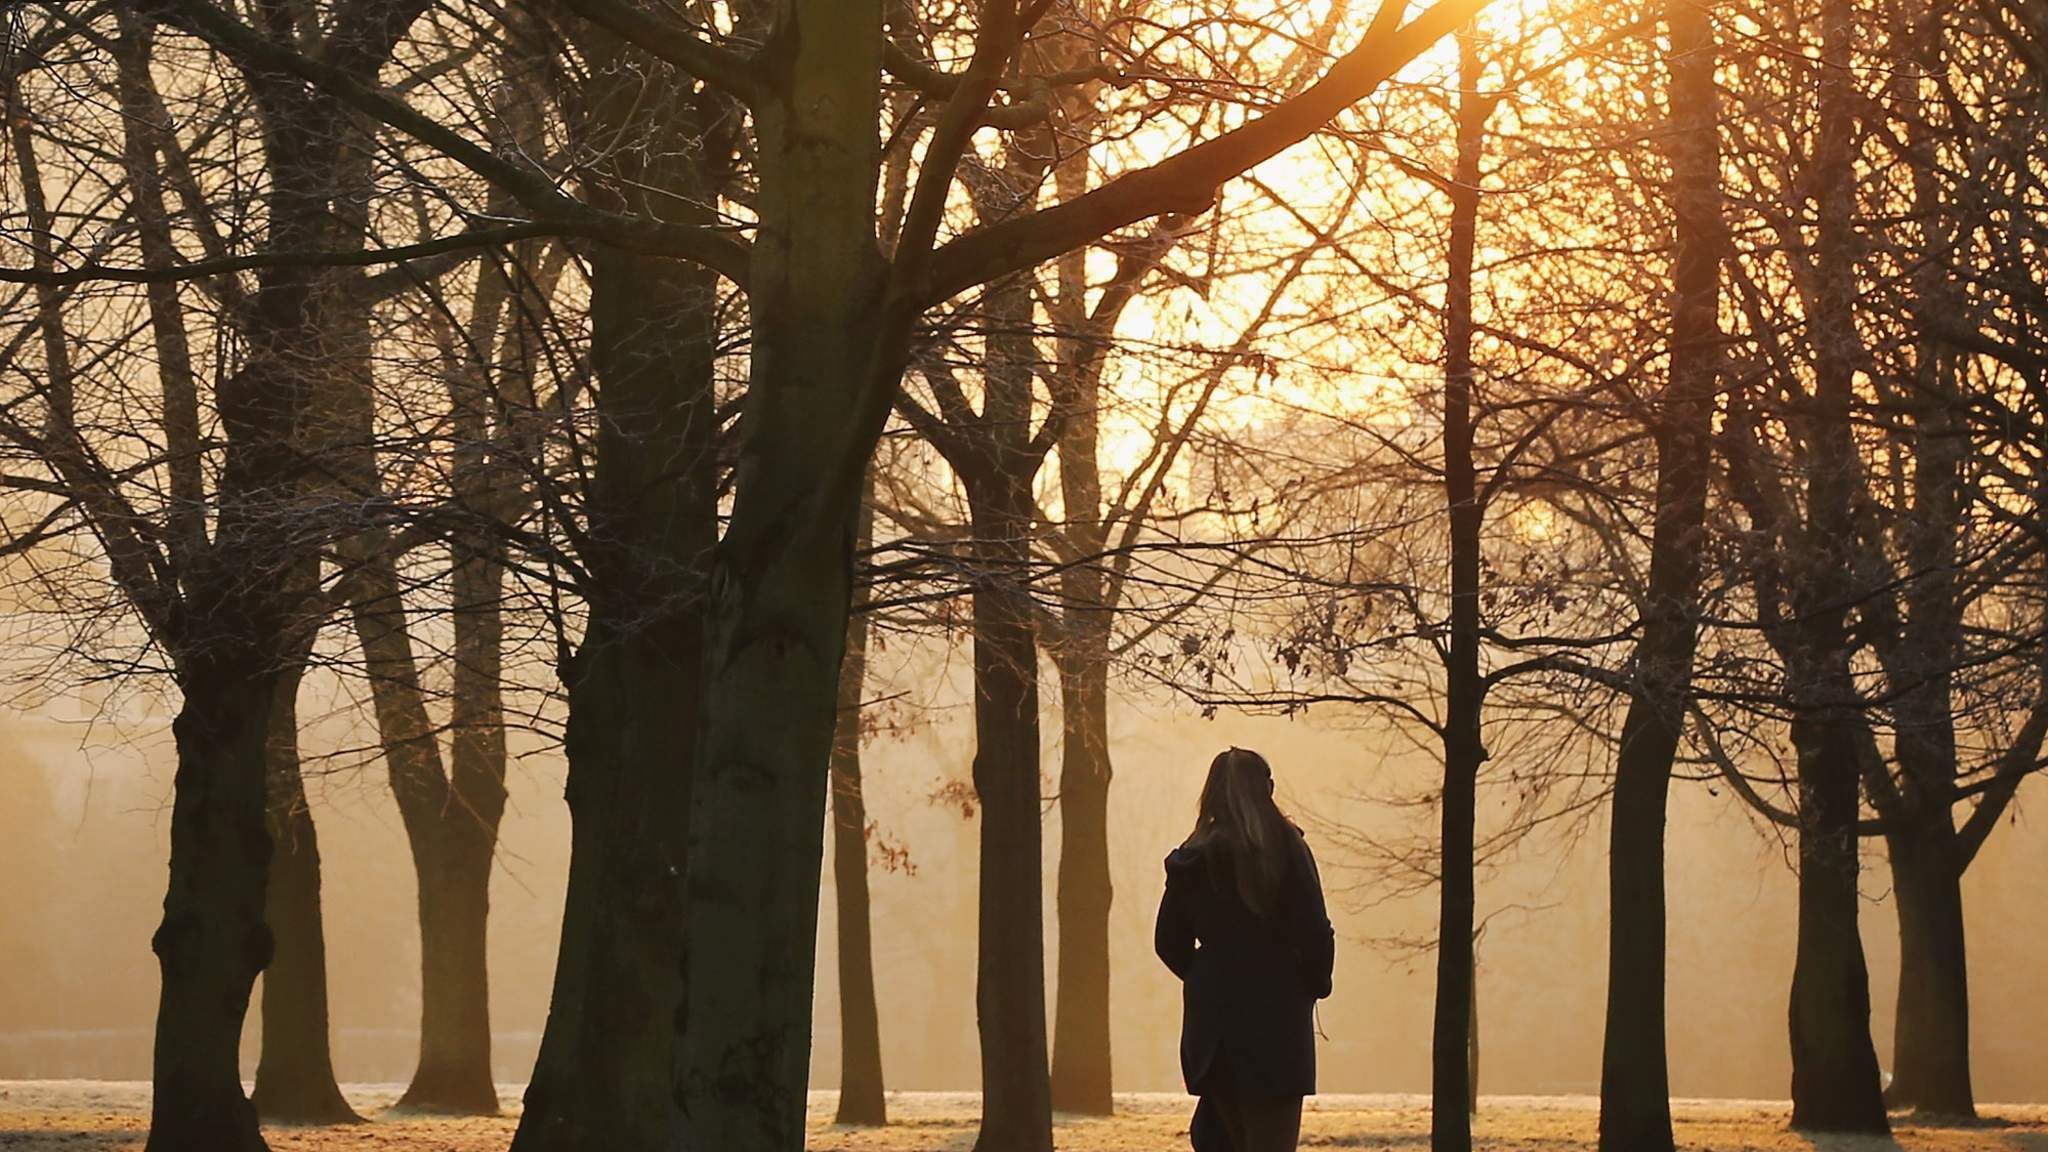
(89, 1116)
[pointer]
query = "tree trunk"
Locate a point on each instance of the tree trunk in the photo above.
(605, 1077)
(213, 939)
(1450, 1048)
(231, 646)
(861, 1099)
(452, 837)
(1835, 1079)
(1835, 1084)
(1081, 1080)
(607, 1072)
(1082, 1070)
(829, 345)
(295, 1081)
(454, 861)
(1931, 1036)
(1635, 1089)
(1931, 1031)
(1472, 1052)
(776, 632)
(1010, 973)
(454, 1071)
(237, 599)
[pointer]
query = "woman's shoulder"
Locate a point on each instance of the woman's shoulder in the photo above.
(1186, 858)
(1303, 854)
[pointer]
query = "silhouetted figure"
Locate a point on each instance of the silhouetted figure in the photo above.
(1244, 927)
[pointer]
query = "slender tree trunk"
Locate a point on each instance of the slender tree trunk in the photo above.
(861, 1099)
(1835, 1079)
(295, 1081)
(1081, 1080)
(1931, 1030)
(213, 939)
(455, 860)
(1835, 1084)
(605, 1077)
(1082, 1069)
(1635, 1090)
(454, 1072)
(452, 837)
(1931, 1036)
(1010, 984)
(1451, 1069)
(1472, 1052)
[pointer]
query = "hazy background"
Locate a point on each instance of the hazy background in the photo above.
(85, 818)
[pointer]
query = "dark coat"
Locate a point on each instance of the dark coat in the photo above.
(1249, 982)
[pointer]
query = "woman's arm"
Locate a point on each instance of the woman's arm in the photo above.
(1173, 935)
(1315, 938)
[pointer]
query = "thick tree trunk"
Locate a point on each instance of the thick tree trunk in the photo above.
(1450, 1046)
(1635, 1091)
(213, 939)
(295, 1081)
(231, 646)
(776, 633)
(605, 1077)
(230, 638)
(1010, 975)
(607, 1072)
(829, 344)
(1835, 1085)
(1081, 1080)
(454, 1071)
(861, 1099)
(1931, 1036)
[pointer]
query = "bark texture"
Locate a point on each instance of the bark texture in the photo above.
(608, 1061)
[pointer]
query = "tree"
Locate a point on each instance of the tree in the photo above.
(219, 598)
(1451, 1056)
(295, 1078)
(1635, 1091)
(636, 681)
(861, 1099)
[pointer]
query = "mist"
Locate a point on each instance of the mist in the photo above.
(82, 839)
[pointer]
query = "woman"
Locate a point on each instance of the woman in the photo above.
(1244, 927)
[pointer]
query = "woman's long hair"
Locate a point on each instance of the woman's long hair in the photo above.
(1239, 824)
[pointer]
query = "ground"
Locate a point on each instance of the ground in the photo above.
(82, 1116)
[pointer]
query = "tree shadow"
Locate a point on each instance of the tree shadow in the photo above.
(112, 1138)
(1848, 1141)
(1368, 1139)
(1944, 1122)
